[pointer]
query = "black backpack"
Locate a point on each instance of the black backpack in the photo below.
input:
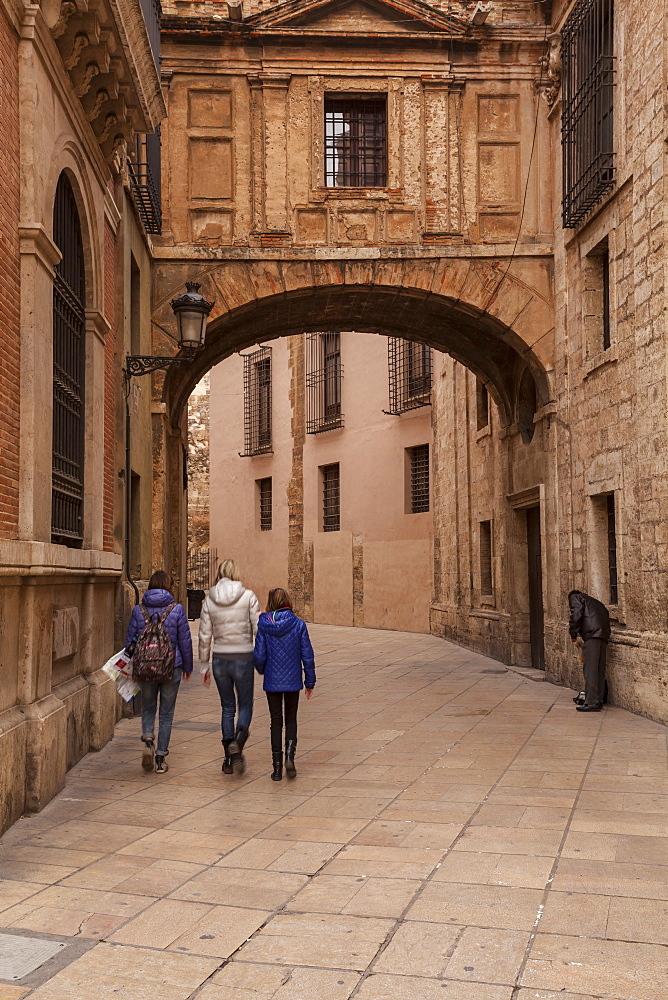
(154, 656)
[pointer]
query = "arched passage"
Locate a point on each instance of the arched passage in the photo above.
(495, 322)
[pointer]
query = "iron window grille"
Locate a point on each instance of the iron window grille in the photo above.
(331, 498)
(201, 565)
(324, 374)
(257, 403)
(144, 168)
(612, 548)
(486, 574)
(355, 142)
(265, 491)
(588, 80)
(419, 456)
(69, 365)
(410, 373)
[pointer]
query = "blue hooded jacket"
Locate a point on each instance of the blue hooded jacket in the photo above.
(282, 645)
(176, 625)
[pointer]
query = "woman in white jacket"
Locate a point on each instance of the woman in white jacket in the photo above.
(229, 623)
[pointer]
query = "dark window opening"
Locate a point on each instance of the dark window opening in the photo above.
(482, 404)
(588, 80)
(265, 493)
(486, 578)
(597, 299)
(410, 374)
(144, 168)
(419, 465)
(257, 403)
(324, 374)
(331, 498)
(527, 406)
(612, 548)
(69, 365)
(356, 142)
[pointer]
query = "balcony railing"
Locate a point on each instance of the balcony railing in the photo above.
(144, 169)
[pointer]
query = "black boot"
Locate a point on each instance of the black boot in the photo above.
(277, 759)
(290, 769)
(236, 751)
(227, 763)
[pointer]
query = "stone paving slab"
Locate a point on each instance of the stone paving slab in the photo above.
(456, 831)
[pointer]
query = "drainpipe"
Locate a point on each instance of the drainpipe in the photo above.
(128, 493)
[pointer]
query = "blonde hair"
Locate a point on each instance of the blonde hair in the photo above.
(228, 570)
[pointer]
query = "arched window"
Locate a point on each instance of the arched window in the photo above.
(69, 365)
(527, 405)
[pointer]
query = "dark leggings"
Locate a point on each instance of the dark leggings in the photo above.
(275, 700)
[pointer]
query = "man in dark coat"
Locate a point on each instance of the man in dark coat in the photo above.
(590, 621)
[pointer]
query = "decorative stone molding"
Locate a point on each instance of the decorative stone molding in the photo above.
(35, 240)
(106, 51)
(550, 83)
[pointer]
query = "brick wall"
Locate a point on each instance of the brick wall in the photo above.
(109, 387)
(9, 281)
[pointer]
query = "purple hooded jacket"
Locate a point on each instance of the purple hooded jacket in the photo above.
(176, 625)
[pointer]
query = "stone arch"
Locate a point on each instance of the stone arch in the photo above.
(486, 317)
(495, 320)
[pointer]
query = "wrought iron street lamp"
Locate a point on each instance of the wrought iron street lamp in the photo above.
(192, 311)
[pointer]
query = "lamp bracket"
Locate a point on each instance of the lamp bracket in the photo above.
(143, 364)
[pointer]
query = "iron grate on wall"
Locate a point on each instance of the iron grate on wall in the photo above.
(257, 403)
(588, 80)
(69, 364)
(419, 456)
(324, 374)
(331, 498)
(355, 142)
(265, 489)
(409, 370)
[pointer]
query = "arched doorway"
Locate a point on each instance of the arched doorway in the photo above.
(497, 325)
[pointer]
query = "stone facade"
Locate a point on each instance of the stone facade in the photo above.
(198, 467)
(76, 85)
(462, 248)
(356, 574)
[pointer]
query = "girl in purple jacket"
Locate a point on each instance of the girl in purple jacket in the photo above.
(156, 600)
(282, 650)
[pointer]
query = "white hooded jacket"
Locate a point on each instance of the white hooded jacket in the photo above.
(229, 618)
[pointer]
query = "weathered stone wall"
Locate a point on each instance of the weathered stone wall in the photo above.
(198, 466)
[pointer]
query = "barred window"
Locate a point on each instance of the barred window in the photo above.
(419, 483)
(69, 362)
(265, 497)
(324, 373)
(355, 142)
(331, 498)
(257, 402)
(409, 369)
(588, 79)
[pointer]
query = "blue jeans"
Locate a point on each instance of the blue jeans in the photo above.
(149, 703)
(234, 680)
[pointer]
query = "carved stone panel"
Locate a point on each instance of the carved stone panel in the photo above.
(65, 632)
(210, 109)
(211, 168)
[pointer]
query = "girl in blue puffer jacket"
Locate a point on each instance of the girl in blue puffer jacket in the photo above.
(282, 651)
(156, 600)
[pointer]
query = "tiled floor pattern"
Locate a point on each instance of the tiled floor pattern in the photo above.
(454, 833)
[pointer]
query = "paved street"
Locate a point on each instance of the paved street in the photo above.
(456, 831)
